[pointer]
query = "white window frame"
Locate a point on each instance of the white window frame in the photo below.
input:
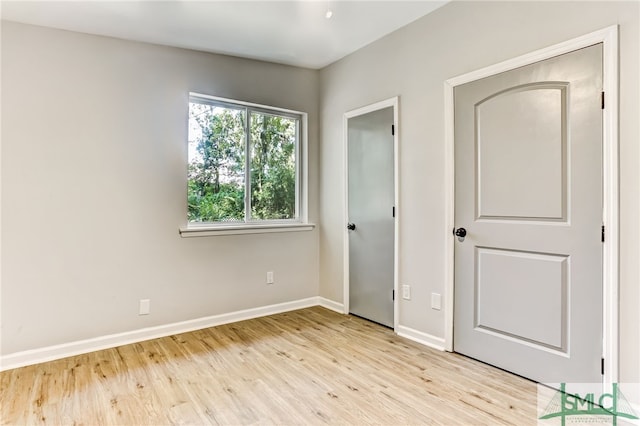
(301, 221)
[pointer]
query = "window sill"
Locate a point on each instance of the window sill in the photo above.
(213, 230)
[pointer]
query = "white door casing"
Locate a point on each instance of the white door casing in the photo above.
(385, 104)
(608, 38)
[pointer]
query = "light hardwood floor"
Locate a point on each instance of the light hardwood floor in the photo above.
(312, 366)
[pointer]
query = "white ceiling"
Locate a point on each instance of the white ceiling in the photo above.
(289, 32)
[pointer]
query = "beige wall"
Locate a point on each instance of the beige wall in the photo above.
(93, 189)
(93, 170)
(413, 63)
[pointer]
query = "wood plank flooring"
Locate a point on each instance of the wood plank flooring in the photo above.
(311, 366)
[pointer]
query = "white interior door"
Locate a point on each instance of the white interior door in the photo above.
(528, 191)
(371, 195)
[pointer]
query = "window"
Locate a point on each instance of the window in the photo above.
(245, 164)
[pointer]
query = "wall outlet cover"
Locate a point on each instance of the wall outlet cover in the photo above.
(406, 292)
(436, 301)
(145, 307)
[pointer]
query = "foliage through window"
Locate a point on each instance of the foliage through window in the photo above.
(243, 162)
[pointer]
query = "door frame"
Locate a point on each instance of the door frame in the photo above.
(610, 204)
(391, 102)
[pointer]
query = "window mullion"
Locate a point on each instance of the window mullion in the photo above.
(247, 166)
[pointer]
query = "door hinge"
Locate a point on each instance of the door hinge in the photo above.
(393, 211)
(393, 130)
(602, 366)
(393, 295)
(602, 100)
(602, 235)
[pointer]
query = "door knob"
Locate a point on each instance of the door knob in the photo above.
(460, 233)
(351, 226)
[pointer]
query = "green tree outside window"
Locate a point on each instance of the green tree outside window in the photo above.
(235, 151)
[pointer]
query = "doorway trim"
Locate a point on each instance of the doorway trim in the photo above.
(610, 203)
(391, 102)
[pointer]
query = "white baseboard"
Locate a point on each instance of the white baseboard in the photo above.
(634, 403)
(636, 410)
(420, 337)
(50, 353)
(631, 392)
(330, 304)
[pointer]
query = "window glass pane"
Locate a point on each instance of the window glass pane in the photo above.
(216, 183)
(273, 166)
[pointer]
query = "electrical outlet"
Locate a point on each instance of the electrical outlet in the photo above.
(145, 307)
(406, 292)
(436, 301)
(270, 277)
